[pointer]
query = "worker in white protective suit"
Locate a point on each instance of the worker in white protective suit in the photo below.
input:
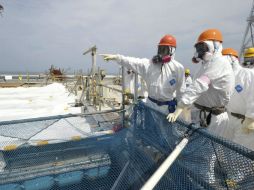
(129, 84)
(209, 93)
(188, 79)
(163, 74)
(232, 56)
(212, 86)
(241, 104)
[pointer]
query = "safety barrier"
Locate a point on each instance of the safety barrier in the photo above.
(127, 157)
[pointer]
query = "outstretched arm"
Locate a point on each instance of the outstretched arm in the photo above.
(138, 65)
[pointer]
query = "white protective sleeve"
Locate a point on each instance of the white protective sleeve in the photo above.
(195, 89)
(139, 66)
(164, 82)
(213, 83)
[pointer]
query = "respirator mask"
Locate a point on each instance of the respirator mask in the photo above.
(164, 55)
(201, 49)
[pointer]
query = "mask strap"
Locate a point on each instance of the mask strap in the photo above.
(172, 50)
(232, 60)
(215, 47)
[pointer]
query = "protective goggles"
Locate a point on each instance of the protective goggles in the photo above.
(165, 50)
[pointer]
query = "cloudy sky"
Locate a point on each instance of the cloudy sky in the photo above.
(35, 34)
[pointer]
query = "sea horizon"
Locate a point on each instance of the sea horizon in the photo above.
(40, 73)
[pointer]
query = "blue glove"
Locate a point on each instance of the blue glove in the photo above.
(172, 106)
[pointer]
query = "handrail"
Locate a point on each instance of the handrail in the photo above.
(158, 174)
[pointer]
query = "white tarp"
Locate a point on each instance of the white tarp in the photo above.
(22, 103)
(33, 102)
(63, 130)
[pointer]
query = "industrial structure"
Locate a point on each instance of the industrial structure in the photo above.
(248, 38)
(111, 145)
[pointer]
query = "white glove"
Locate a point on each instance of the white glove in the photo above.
(173, 116)
(187, 114)
(248, 125)
(108, 57)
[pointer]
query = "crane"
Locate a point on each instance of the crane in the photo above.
(93, 50)
(248, 39)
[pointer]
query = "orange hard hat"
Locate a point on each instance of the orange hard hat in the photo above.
(230, 51)
(210, 34)
(168, 40)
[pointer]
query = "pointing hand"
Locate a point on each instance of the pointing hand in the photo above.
(108, 57)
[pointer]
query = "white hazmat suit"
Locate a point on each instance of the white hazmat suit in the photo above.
(242, 103)
(234, 122)
(164, 76)
(161, 80)
(210, 92)
(212, 87)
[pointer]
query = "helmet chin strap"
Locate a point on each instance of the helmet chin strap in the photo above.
(215, 47)
(172, 51)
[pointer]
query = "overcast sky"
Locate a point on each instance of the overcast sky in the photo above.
(35, 34)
